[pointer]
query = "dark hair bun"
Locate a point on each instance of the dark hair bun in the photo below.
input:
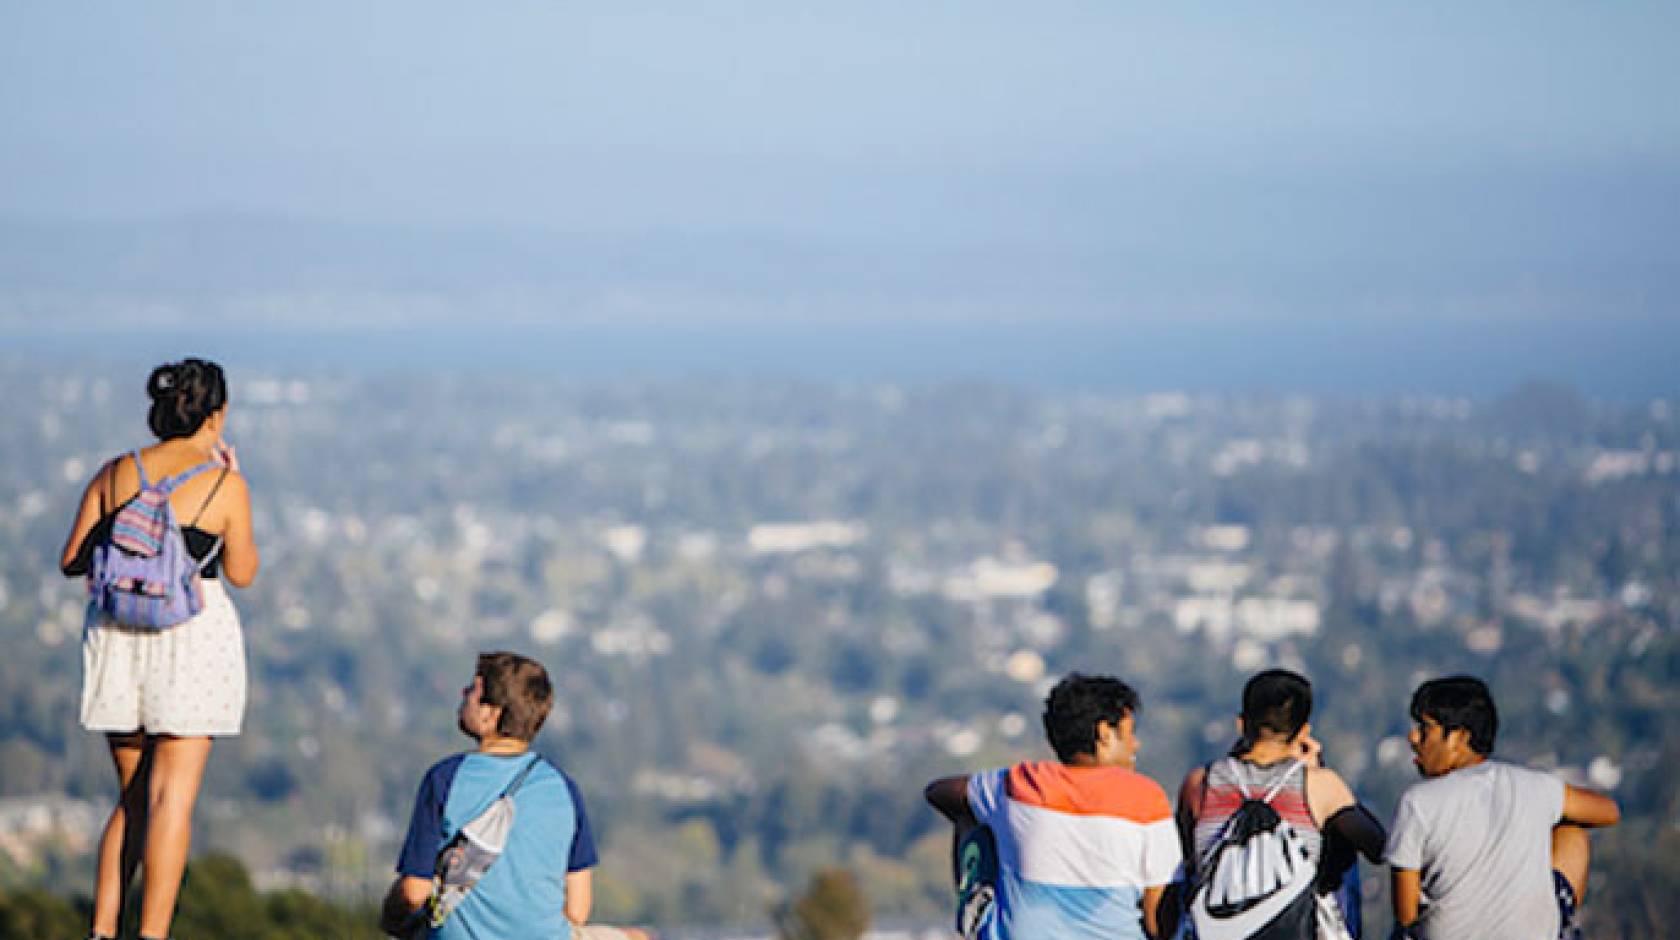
(183, 395)
(164, 383)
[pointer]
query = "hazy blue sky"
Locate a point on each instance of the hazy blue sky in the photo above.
(1482, 165)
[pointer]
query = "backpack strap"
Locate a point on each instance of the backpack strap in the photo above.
(519, 779)
(111, 484)
(216, 548)
(1241, 778)
(168, 484)
(214, 489)
(139, 467)
(1281, 781)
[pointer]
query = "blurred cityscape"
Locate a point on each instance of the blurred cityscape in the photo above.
(775, 609)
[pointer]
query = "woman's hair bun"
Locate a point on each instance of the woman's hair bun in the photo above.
(164, 383)
(183, 395)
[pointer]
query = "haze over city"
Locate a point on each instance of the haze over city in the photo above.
(1369, 199)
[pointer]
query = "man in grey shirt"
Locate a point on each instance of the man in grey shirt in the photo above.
(1481, 848)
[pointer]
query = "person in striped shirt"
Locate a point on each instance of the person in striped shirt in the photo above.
(1085, 844)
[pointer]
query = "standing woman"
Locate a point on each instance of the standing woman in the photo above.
(160, 695)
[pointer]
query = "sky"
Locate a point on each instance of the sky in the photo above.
(1271, 176)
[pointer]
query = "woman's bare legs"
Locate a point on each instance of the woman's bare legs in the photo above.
(177, 769)
(125, 831)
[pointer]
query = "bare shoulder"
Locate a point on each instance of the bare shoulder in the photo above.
(230, 497)
(234, 484)
(1327, 781)
(119, 472)
(105, 476)
(1327, 793)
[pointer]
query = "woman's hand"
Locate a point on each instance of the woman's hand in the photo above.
(224, 454)
(1311, 751)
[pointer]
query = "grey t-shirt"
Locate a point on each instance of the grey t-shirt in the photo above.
(1482, 838)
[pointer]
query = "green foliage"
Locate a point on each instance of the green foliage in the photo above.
(298, 915)
(35, 914)
(832, 907)
(218, 902)
(217, 899)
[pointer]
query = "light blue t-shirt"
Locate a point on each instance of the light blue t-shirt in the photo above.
(523, 895)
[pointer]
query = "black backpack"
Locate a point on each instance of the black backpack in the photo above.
(1255, 882)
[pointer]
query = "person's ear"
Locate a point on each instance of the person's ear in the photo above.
(1108, 734)
(1458, 740)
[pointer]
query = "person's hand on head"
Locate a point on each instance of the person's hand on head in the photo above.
(1311, 751)
(224, 454)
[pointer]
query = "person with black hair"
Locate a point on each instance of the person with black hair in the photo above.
(1276, 754)
(161, 695)
(1481, 847)
(1082, 846)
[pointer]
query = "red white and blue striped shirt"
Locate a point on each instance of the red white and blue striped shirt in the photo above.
(1077, 846)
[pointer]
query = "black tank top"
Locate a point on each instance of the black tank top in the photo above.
(200, 544)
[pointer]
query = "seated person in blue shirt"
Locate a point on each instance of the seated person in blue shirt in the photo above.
(540, 886)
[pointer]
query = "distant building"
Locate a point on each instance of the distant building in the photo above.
(987, 577)
(781, 538)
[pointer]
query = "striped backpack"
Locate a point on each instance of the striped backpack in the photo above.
(141, 574)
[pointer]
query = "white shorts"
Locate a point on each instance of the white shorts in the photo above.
(188, 680)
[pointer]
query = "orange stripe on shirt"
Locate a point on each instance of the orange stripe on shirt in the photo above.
(1089, 791)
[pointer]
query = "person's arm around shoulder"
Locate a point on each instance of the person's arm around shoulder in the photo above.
(240, 560)
(949, 795)
(1582, 807)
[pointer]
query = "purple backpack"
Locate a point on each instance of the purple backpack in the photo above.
(141, 574)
